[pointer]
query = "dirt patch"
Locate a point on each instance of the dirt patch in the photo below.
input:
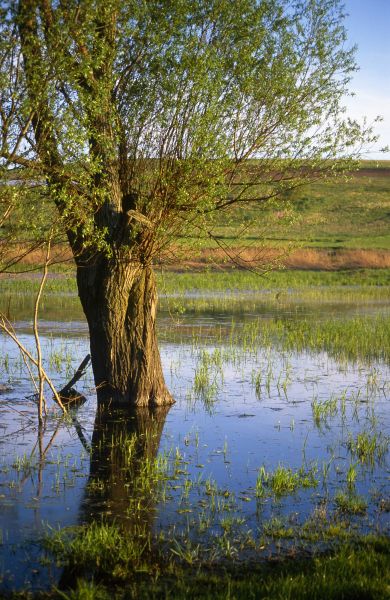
(321, 259)
(333, 260)
(304, 258)
(372, 172)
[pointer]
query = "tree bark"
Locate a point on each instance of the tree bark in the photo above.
(119, 300)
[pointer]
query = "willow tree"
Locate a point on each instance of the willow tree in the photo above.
(140, 119)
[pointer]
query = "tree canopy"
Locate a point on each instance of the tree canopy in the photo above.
(145, 117)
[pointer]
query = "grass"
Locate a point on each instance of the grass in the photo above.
(368, 447)
(208, 372)
(284, 480)
(322, 410)
(359, 569)
(334, 214)
(353, 339)
(103, 548)
(219, 281)
(181, 293)
(350, 503)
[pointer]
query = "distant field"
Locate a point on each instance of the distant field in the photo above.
(332, 225)
(352, 214)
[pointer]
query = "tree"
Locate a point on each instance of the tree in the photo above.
(140, 119)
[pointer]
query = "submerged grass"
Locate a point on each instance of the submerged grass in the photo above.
(102, 548)
(350, 503)
(357, 338)
(322, 410)
(367, 337)
(368, 447)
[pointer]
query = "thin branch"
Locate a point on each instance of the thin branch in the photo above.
(6, 326)
(41, 378)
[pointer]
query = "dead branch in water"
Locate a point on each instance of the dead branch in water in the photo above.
(6, 326)
(78, 374)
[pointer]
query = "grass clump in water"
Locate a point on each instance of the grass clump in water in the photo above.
(278, 528)
(207, 373)
(284, 480)
(101, 548)
(368, 447)
(350, 503)
(323, 410)
(365, 338)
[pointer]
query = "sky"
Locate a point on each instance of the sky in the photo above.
(368, 26)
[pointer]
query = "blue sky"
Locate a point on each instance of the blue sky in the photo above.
(368, 26)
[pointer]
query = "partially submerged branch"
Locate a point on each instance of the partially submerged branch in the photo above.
(68, 394)
(6, 326)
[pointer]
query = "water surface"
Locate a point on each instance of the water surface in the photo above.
(240, 405)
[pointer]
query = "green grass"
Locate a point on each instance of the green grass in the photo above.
(357, 338)
(368, 447)
(208, 280)
(322, 410)
(102, 548)
(350, 503)
(211, 281)
(335, 214)
(284, 480)
(356, 570)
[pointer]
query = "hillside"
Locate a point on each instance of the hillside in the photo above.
(329, 225)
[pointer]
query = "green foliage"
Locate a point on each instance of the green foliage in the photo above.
(146, 117)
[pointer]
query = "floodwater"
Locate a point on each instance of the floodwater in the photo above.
(240, 406)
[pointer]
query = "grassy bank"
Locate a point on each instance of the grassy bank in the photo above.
(356, 570)
(351, 572)
(328, 225)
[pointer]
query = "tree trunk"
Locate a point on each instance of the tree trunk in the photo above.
(119, 300)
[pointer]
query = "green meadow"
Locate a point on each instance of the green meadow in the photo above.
(348, 213)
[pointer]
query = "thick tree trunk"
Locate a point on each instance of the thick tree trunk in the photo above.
(119, 301)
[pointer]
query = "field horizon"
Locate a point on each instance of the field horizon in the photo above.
(331, 225)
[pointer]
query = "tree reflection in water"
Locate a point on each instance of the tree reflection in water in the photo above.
(125, 473)
(124, 451)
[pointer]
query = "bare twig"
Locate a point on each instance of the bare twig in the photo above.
(41, 376)
(6, 326)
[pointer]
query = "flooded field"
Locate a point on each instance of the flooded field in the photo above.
(277, 443)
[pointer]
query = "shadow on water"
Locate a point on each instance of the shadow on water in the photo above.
(119, 491)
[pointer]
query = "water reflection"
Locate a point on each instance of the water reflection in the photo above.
(123, 468)
(125, 444)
